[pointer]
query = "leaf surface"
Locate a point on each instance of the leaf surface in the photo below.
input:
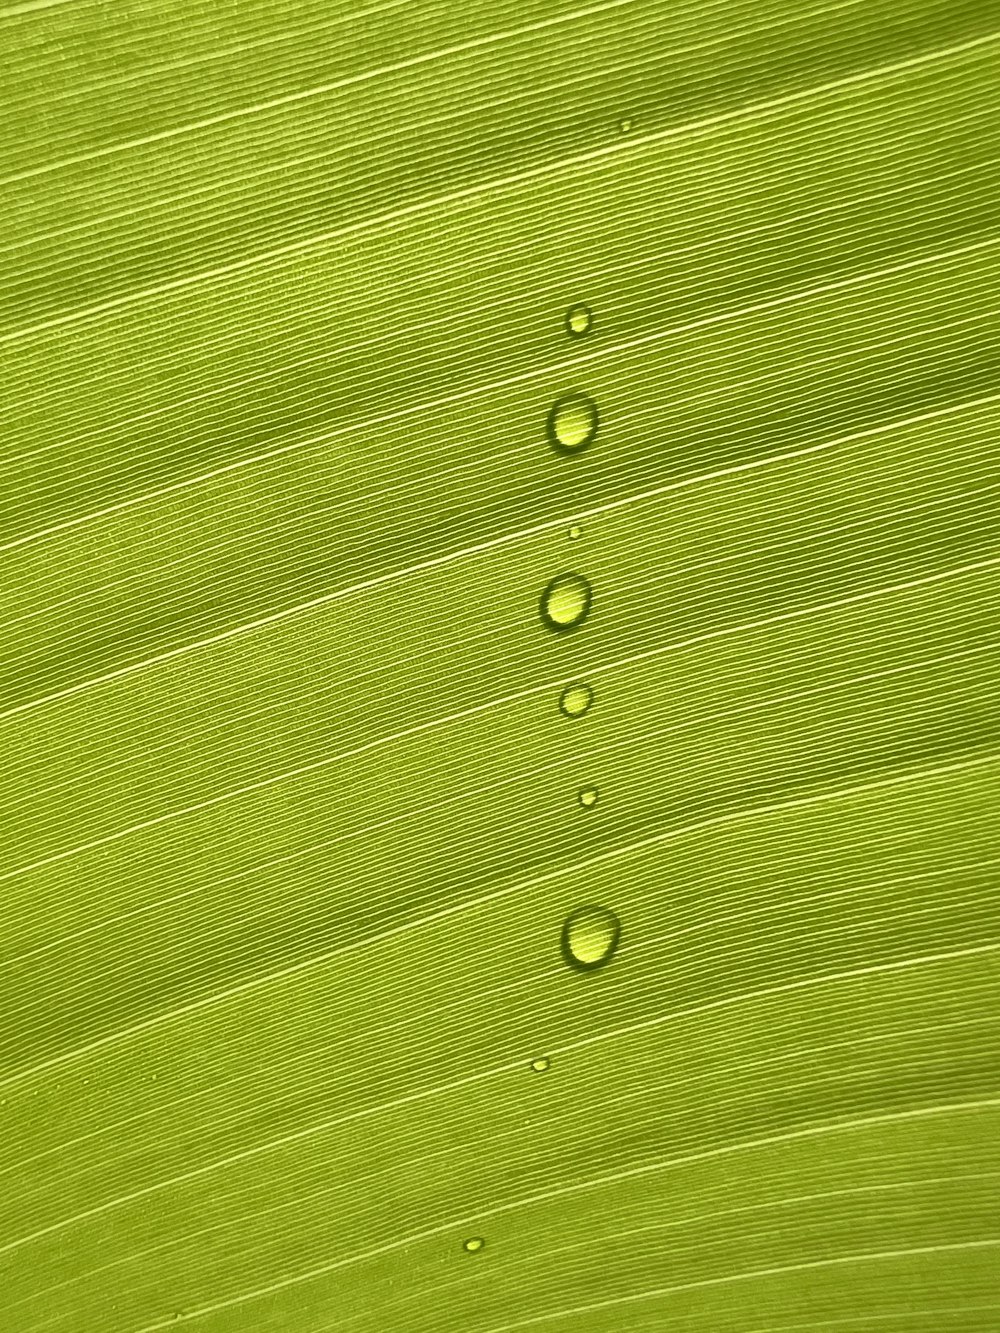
(291, 817)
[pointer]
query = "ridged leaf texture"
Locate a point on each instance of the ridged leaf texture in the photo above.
(300, 780)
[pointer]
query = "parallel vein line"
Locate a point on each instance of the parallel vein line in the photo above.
(450, 557)
(765, 811)
(290, 774)
(505, 182)
(868, 1256)
(306, 94)
(749, 1145)
(426, 1094)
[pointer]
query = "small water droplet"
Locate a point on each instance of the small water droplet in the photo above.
(565, 603)
(541, 1064)
(473, 1244)
(588, 796)
(579, 321)
(625, 124)
(575, 700)
(590, 937)
(572, 424)
(575, 532)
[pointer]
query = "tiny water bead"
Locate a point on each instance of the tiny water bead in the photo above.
(587, 796)
(575, 532)
(590, 937)
(565, 602)
(572, 424)
(625, 124)
(579, 321)
(541, 1064)
(575, 700)
(473, 1245)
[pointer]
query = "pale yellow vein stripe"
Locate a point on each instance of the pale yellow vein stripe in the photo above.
(423, 811)
(766, 107)
(841, 205)
(851, 1321)
(285, 34)
(751, 1275)
(639, 845)
(454, 114)
(287, 775)
(351, 80)
(33, 6)
(464, 468)
(450, 557)
(379, 1035)
(749, 1145)
(786, 1202)
(216, 1122)
(914, 1183)
(578, 360)
(484, 1075)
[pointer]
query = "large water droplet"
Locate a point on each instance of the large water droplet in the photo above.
(473, 1244)
(565, 603)
(572, 423)
(590, 937)
(579, 321)
(587, 796)
(575, 532)
(575, 700)
(541, 1064)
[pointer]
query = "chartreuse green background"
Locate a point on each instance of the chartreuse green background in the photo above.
(290, 815)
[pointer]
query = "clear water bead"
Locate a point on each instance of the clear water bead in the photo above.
(565, 602)
(579, 321)
(572, 423)
(575, 700)
(590, 937)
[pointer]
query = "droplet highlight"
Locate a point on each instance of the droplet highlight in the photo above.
(575, 700)
(565, 602)
(541, 1064)
(575, 532)
(573, 422)
(625, 124)
(473, 1245)
(579, 321)
(590, 937)
(587, 796)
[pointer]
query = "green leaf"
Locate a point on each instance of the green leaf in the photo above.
(332, 334)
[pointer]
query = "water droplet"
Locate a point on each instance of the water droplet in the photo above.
(579, 321)
(565, 603)
(473, 1244)
(588, 796)
(572, 423)
(541, 1064)
(625, 124)
(575, 532)
(575, 700)
(590, 937)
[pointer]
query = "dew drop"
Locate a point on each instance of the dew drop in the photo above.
(575, 532)
(590, 937)
(565, 603)
(572, 423)
(588, 796)
(579, 321)
(625, 124)
(541, 1064)
(473, 1244)
(575, 700)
